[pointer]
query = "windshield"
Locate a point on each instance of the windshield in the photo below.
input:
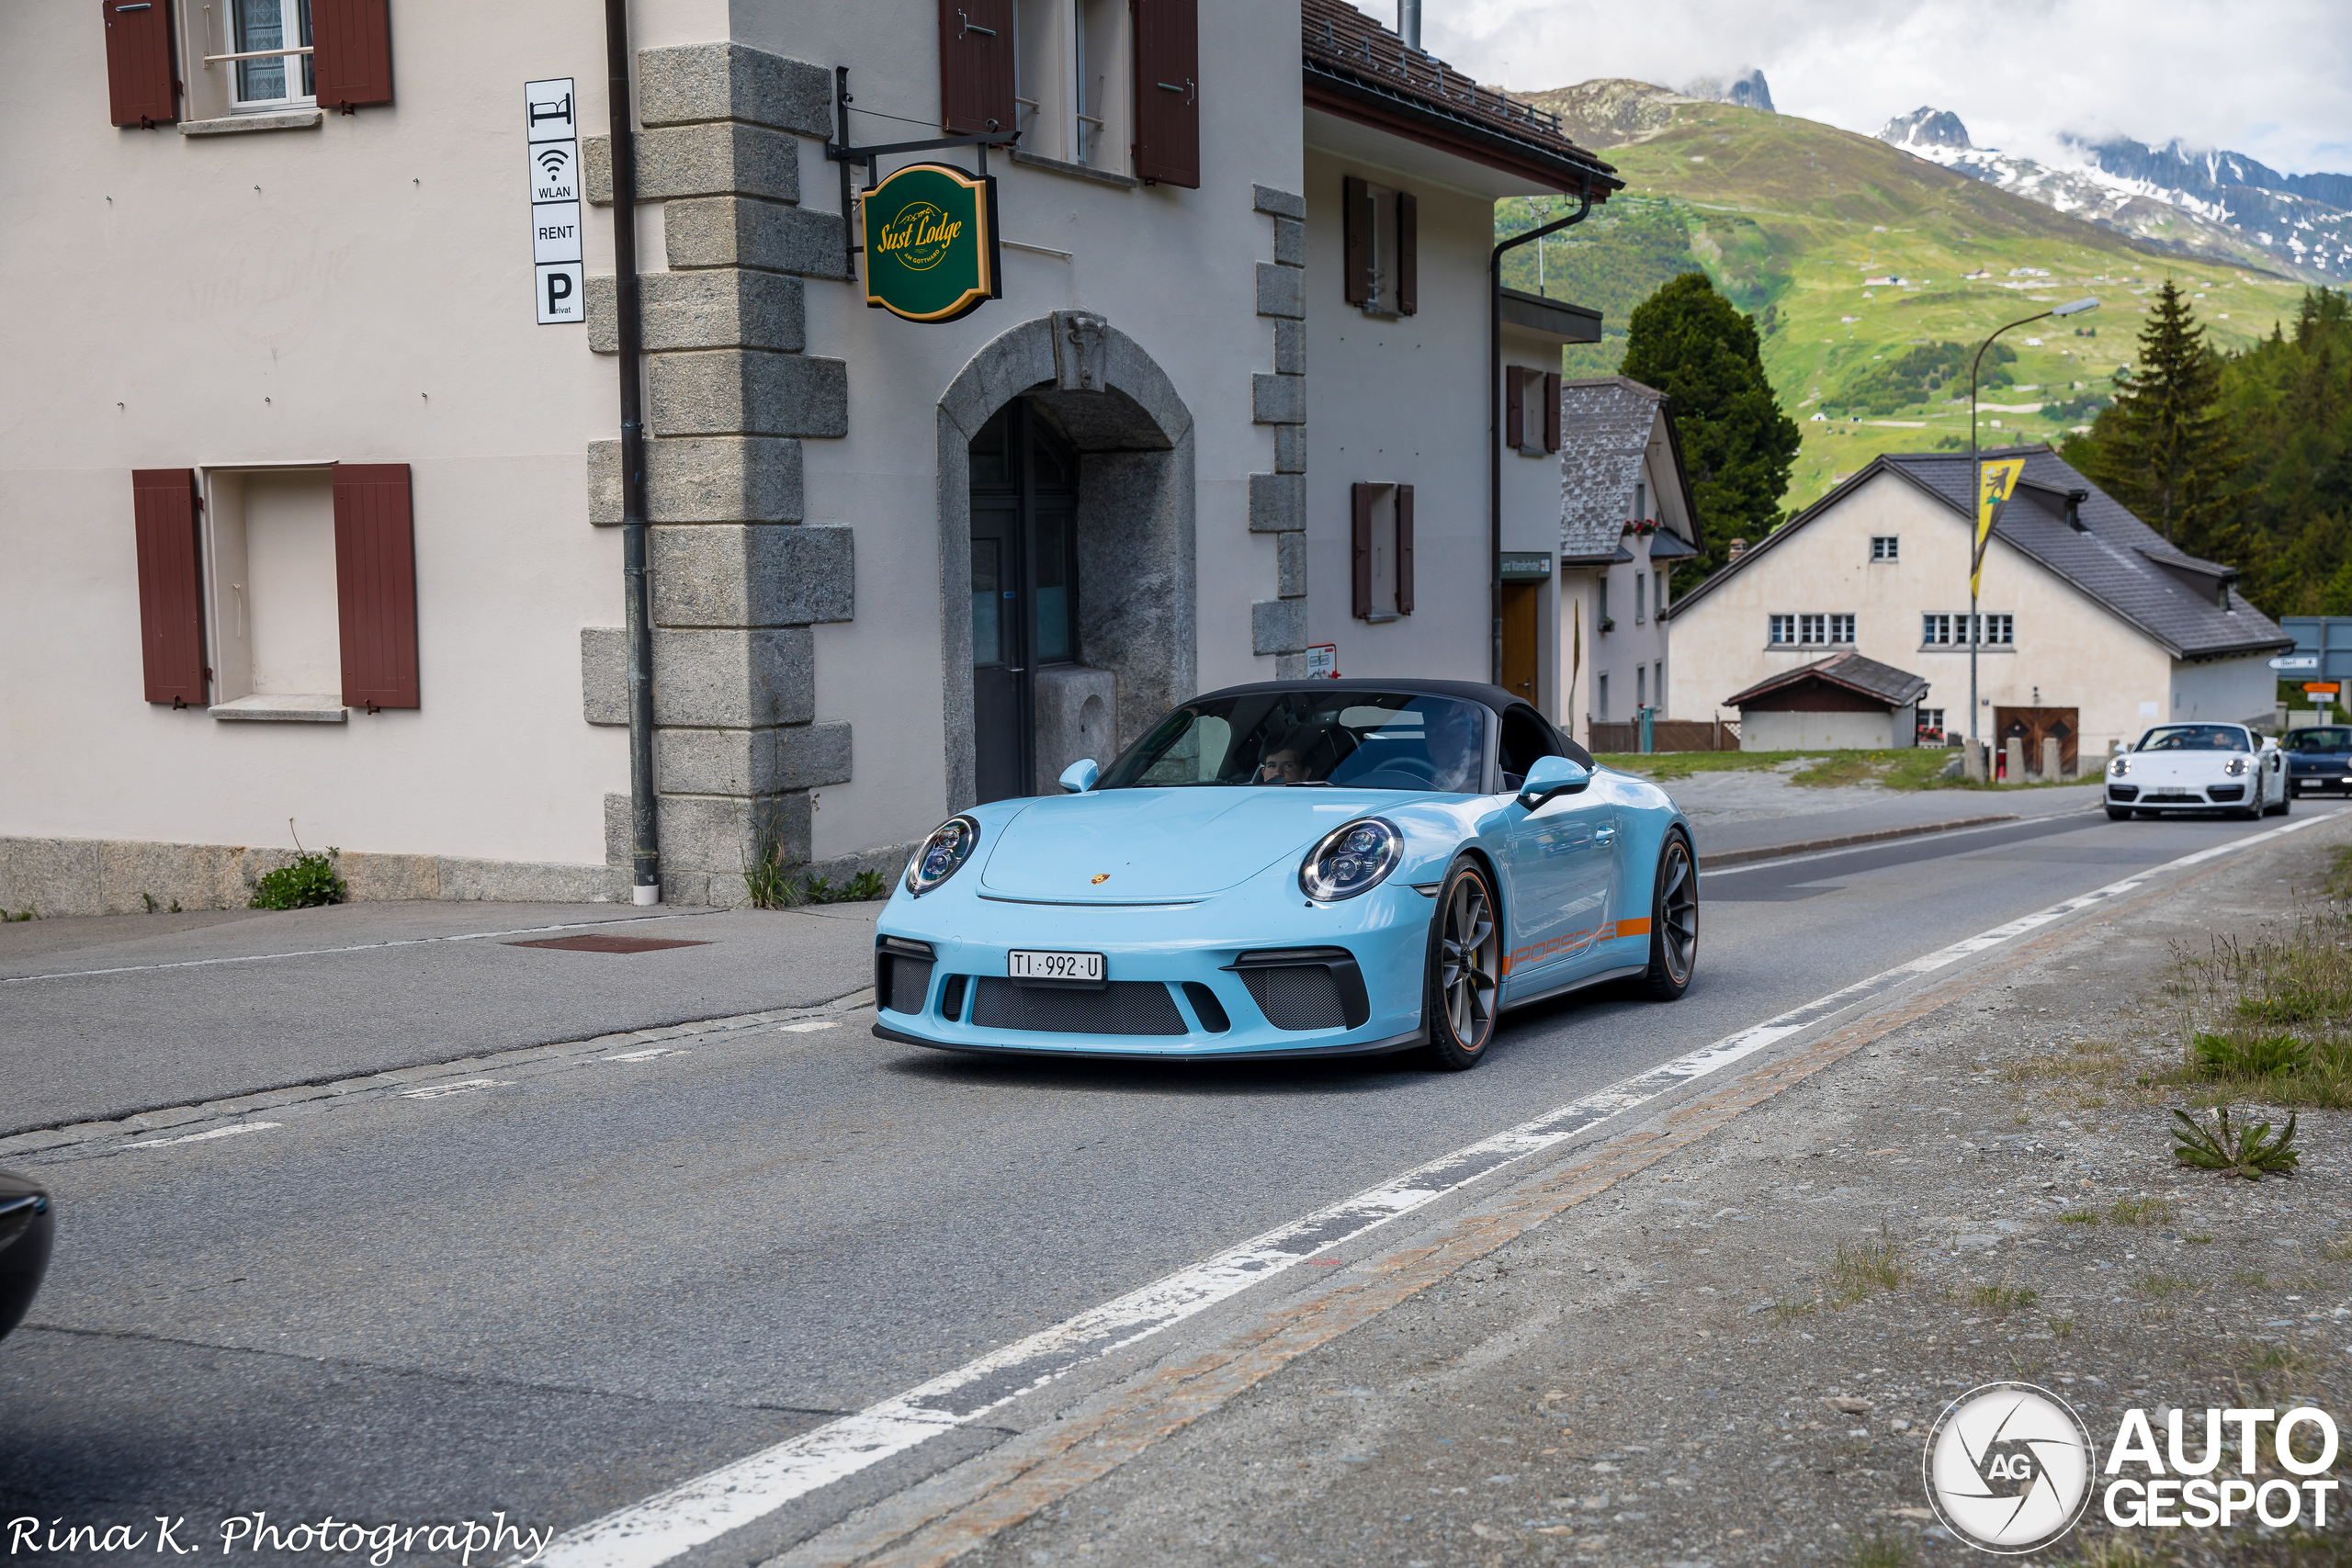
(2195, 738)
(2326, 742)
(1356, 739)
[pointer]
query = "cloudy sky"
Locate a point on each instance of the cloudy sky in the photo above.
(2271, 78)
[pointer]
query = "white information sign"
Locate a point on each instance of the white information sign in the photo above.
(1323, 661)
(2296, 661)
(551, 111)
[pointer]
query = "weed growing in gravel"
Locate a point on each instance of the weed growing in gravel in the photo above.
(2063, 1326)
(2145, 1211)
(1881, 1552)
(2199, 1240)
(2002, 1299)
(2232, 1002)
(2082, 1059)
(2108, 1553)
(2336, 1251)
(2260, 1357)
(2161, 1287)
(1859, 1267)
(2079, 1217)
(2248, 1280)
(2251, 1152)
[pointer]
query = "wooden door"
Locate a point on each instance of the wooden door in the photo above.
(2031, 725)
(1519, 601)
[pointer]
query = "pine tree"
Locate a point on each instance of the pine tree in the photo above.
(1694, 345)
(2162, 450)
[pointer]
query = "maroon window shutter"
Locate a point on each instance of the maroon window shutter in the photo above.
(975, 79)
(374, 584)
(1355, 199)
(142, 80)
(1514, 406)
(1168, 92)
(1404, 549)
(1359, 545)
(1550, 411)
(171, 586)
(352, 41)
(1409, 254)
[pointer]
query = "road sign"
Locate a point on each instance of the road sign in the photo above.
(2296, 661)
(551, 134)
(2320, 687)
(1323, 661)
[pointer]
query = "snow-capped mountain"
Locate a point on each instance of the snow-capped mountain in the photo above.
(2214, 203)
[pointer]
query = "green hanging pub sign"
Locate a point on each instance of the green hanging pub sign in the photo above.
(931, 243)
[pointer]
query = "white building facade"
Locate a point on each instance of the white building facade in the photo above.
(2091, 627)
(309, 467)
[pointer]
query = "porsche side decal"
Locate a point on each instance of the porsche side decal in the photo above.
(1575, 942)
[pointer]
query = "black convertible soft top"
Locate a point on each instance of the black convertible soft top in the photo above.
(1493, 698)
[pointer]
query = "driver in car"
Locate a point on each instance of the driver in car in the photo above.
(1287, 763)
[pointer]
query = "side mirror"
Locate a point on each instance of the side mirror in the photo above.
(1080, 776)
(1548, 776)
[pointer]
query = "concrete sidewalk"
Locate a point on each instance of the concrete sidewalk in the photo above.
(105, 1015)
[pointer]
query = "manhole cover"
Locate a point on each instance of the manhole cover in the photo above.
(601, 944)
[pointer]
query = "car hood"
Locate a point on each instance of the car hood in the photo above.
(1131, 846)
(2182, 767)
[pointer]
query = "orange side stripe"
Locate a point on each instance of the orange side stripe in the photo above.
(1640, 927)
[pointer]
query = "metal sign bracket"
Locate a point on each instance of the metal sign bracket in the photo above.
(845, 154)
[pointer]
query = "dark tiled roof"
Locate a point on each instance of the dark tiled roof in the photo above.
(2115, 559)
(1867, 677)
(1352, 56)
(1606, 424)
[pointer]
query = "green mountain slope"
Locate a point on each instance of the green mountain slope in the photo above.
(1800, 223)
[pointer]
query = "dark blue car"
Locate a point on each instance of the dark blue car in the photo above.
(2319, 760)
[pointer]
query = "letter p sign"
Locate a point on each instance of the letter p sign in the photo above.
(561, 297)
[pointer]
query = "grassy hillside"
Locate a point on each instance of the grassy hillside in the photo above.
(1792, 220)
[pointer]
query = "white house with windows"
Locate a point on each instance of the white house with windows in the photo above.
(314, 507)
(2090, 628)
(1627, 522)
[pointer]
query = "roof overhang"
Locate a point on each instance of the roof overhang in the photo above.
(1557, 319)
(1362, 119)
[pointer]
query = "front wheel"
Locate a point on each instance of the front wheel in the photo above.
(1465, 984)
(2119, 813)
(1674, 923)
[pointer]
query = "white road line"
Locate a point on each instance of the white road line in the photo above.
(464, 1086)
(708, 1507)
(201, 1137)
(805, 1025)
(355, 947)
(645, 1055)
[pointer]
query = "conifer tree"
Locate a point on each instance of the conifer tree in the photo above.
(1694, 345)
(2162, 450)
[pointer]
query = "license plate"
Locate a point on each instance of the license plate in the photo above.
(1035, 963)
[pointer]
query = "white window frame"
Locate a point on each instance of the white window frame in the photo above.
(1951, 631)
(1811, 629)
(1841, 622)
(1886, 548)
(1600, 697)
(1780, 631)
(1641, 597)
(296, 58)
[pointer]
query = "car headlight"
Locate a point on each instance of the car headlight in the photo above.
(943, 854)
(2236, 768)
(1353, 858)
(2121, 766)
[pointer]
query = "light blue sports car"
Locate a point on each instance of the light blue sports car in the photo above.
(1301, 868)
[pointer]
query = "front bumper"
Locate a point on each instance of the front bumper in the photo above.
(1346, 977)
(2320, 775)
(2178, 797)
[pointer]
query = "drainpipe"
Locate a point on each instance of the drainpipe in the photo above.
(1495, 425)
(645, 849)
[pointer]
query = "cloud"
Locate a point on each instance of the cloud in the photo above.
(2271, 78)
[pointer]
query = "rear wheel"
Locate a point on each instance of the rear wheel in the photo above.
(1674, 923)
(1465, 968)
(2280, 807)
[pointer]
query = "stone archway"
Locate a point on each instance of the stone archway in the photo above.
(1138, 614)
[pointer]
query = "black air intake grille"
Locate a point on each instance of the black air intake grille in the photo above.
(1210, 1011)
(1296, 997)
(2227, 792)
(2123, 792)
(1122, 1007)
(910, 982)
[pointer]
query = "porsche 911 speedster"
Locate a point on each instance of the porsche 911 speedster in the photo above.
(2198, 767)
(1297, 868)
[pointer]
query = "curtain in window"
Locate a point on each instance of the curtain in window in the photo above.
(261, 24)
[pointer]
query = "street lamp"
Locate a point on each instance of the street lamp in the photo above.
(1976, 500)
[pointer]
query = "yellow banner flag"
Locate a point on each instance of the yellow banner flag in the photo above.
(1995, 483)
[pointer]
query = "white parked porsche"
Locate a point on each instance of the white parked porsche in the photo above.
(2198, 767)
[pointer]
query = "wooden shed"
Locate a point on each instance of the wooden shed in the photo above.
(1844, 702)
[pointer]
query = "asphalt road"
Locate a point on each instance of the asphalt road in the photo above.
(557, 1294)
